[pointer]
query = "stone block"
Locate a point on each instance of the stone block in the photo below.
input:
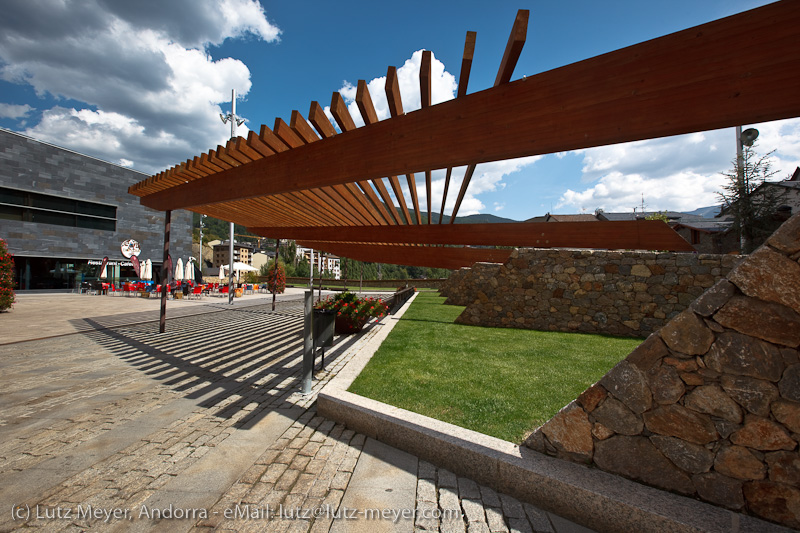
(769, 321)
(571, 432)
(677, 421)
(665, 384)
(719, 490)
(786, 239)
(789, 385)
(636, 458)
(787, 413)
(615, 416)
(712, 400)
(688, 334)
(591, 397)
(689, 457)
(742, 355)
(763, 434)
(629, 384)
(648, 353)
(755, 395)
(784, 467)
(769, 275)
(740, 463)
(773, 501)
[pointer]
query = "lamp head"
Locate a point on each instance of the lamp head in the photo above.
(749, 136)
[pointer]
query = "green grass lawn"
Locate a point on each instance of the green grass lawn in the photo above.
(501, 382)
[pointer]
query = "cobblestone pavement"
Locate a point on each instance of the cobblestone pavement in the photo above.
(201, 428)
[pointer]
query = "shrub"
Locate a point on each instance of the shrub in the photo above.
(6, 277)
(276, 277)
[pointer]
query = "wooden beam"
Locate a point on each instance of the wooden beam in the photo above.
(401, 200)
(610, 235)
(466, 63)
(425, 78)
(320, 121)
(364, 103)
(694, 80)
(444, 195)
(513, 48)
(434, 257)
(392, 88)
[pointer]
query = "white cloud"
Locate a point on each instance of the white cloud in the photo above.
(678, 173)
(141, 67)
(488, 177)
(14, 111)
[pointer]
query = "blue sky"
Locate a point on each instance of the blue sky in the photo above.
(142, 84)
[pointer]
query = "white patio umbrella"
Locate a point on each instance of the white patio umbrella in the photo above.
(147, 271)
(104, 273)
(222, 272)
(189, 269)
(243, 267)
(179, 270)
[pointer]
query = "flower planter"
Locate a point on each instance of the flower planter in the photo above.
(345, 326)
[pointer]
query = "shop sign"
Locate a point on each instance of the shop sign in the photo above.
(99, 262)
(130, 248)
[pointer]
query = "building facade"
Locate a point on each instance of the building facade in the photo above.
(62, 212)
(242, 253)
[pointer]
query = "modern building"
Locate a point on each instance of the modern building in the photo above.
(242, 253)
(324, 262)
(62, 213)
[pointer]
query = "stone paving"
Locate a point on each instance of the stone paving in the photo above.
(203, 429)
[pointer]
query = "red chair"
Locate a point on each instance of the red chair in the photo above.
(197, 292)
(223, 289)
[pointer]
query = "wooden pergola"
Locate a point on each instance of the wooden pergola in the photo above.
(341, 192)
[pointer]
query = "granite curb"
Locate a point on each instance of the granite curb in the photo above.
(587, 496)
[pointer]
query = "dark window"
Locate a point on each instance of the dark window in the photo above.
(47, 209)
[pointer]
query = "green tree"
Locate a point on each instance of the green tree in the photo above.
(752, 206)
(7, 296)
(658, 215)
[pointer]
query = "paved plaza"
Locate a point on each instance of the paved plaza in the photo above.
(108, 425)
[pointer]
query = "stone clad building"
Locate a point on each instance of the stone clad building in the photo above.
(62, 212)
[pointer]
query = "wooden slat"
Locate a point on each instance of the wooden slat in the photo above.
(466, 63)
(320, 121)
(435, 257)
(695, 80)
(392, 88)
(516, 41)
(425, 78)
(341, 114)
(444, 195)
(401, 200)
(376, 202)
(387, 200)
(612, 235)
(364, 103)
(462, 191)
(302, 128)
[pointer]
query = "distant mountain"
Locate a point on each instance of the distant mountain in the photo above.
(469, 219)
(706, 212)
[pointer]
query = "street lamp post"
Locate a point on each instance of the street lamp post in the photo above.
(235, 121)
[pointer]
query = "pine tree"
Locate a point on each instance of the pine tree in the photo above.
(753, 212)
(6, 277)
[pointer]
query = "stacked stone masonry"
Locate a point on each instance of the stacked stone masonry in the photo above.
(462, 286)
(616, 293)
(708, 406)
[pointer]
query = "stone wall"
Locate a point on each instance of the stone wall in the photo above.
(462, 286)
(709, 406)
(616, 293)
